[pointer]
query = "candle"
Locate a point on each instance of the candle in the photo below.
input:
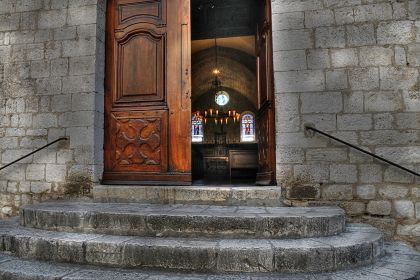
(211, 111)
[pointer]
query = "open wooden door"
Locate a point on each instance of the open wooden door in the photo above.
(266, 121)
(148, 102)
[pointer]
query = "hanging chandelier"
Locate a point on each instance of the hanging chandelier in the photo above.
(219, 114)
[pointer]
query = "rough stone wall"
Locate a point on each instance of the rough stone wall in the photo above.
(351, 67)
(51, 85)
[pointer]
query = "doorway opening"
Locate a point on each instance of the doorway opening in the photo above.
(232, 110)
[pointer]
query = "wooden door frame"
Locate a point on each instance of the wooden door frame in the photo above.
(184, 178)
(268, 178)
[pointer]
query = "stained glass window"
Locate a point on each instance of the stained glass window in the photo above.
(247, 128)
(197, 129)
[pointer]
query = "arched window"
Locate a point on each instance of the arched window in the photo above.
(197, 129)
(247, 127)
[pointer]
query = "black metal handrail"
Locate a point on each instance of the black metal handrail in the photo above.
(308, 127)
(31, 153)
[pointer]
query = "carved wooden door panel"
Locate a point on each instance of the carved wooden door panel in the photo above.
(266, 122)
(147, 88)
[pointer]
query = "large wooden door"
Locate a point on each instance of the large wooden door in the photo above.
(147, 102)
(266, 122)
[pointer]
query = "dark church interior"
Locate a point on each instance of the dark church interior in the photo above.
(224, 92)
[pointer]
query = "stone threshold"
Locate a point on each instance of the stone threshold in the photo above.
(400, 263)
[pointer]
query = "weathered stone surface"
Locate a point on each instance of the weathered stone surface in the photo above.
(400, 256)
(194, 254)
(251, 196)
(382, 208)
(188, 220)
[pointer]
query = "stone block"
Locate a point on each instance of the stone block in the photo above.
(300, 81)
(9, 22)
(90, 30)
(344, 57)
(56, 173)
(364, 78)
(82, 15)
(293, 20)
(337, 192)
(79, 84)
(318, 59)
(413, 54)
(354, 208)
(383, 121)
(326, 122)
(388, 137)
(418, 210)
(316, 172)
(399, 11)
(344, 15)
(290, 155)
(40, 69)
(327, 154)
(80, 47)
(343, 173)
(382, 208)
(353, 101)
(27, 5)
(44, 120)
(404, 208)
(48, 86)
(375, 56)
(396, 175)
(341, 3)
(396, 78)
(410, 154)
(292, 40)
(411, 100)
(336, 79)
(65, 33)
(370, 173)
(409, 230)
(384, 101)
(354, 122)
(288, 103)
(35, 172)
(284, 6)
(400, 56)
(283, 60)
(52, 19)
(324, 102)
(397, 32)
(61, 103)
(330, 37)
(373, 12)
(360, 35)
(319, 18)
(22, 37)
(59, 67)
(366, 192)
(393, 191)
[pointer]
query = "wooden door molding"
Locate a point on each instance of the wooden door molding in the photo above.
(147, 92)
(265, 80)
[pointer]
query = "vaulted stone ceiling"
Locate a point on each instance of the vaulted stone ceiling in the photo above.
(237, 72)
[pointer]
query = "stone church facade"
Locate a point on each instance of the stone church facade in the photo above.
(348, 67)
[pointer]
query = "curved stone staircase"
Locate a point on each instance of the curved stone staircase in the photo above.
(160, 238)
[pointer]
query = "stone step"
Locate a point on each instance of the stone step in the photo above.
(214, 195)
(185, 220)
(359, 245)
(401, 262)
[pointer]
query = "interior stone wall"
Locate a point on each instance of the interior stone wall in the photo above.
(51, 85)
(351, 68)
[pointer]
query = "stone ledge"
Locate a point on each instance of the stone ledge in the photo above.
(247, 196)
(400, 263)
(184, 220)
(359, 245)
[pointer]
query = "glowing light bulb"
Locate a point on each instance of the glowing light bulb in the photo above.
(216, 71)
